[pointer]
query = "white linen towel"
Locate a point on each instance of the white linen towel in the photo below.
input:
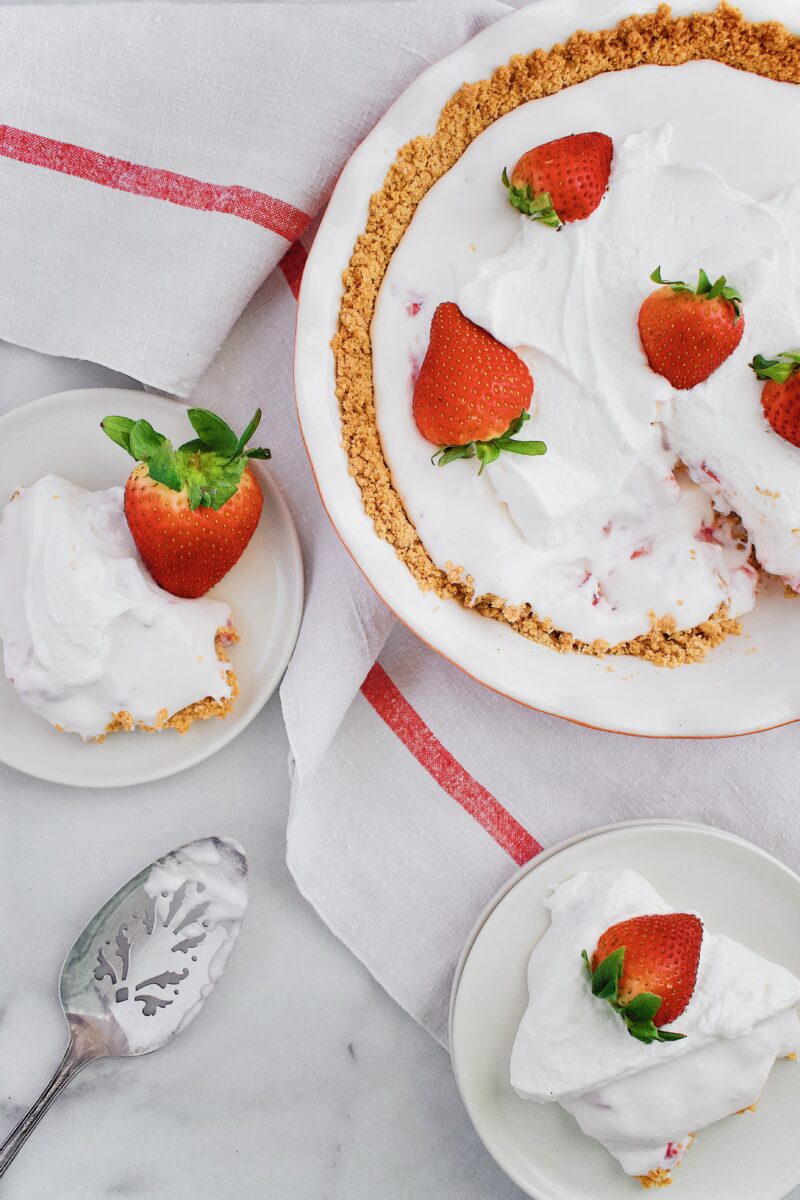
(156, 160)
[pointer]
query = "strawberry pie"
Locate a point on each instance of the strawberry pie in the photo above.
(644, 1025)
(578, 407)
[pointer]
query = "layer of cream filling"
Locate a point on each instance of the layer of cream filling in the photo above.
(86, 631)
(719, 431)
(600, 534)
(643, 1101)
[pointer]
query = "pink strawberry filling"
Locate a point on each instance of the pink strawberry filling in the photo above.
(707, 533)
(704, 467)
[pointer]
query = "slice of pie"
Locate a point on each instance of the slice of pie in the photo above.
(90, 641)
(645, 1025)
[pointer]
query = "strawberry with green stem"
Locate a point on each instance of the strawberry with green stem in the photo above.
(687, 333)
(563, 180)
(191, 511)
(646, 969)
(472, 394)
(780, 398)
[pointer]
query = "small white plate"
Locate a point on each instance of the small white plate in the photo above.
(62, 434)
(741, 891)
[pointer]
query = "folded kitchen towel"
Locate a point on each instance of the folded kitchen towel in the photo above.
(156, 160)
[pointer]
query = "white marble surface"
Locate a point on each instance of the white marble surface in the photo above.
(301, 1079)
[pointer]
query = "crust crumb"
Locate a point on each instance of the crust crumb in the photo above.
(656, 1179)
(662, 1176)
(657, 38)
(200, 710)
(667, 646)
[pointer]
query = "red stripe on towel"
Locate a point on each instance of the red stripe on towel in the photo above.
(391, 705)
(153, 182)
(292, 264)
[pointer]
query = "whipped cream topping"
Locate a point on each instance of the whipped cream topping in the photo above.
(599, 534)
(718, 429)
(641, 1101)
(86, 631)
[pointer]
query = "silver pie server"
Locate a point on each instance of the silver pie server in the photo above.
(146, 963)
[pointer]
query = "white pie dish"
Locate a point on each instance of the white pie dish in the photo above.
(743, 892)
(264, 590)
(744, 685)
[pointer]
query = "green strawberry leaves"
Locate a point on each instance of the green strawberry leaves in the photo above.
(642, 1008)
(245, 438)
(639, 1013)
(210, 480)
(214, 432)
(162, 464)
(538, 206)
(605, 980)
(488, 452)
(705, 288)
(778, 369)
(144, 441)
(119, 430)
(144, 444)
(209, 467)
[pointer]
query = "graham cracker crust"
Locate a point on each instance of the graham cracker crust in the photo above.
(200, 710)
(656, 1179)
(656, 39)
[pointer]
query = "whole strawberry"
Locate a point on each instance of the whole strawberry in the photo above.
(472, 393)
(563, 180)
(191, 511)
(780, 398)
(688, 332)
(646, 968)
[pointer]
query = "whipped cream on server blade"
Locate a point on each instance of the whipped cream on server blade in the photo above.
(86, 631)
(642, 1101)
(600, 534)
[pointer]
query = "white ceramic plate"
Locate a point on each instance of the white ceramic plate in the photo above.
(741, 891)
(264, 590)
(749, 683)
